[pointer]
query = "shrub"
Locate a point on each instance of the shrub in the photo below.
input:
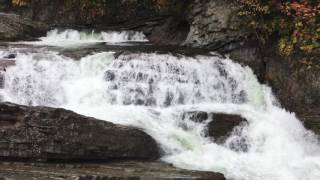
(297, 23)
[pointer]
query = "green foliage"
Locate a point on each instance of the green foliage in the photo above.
(296, 22)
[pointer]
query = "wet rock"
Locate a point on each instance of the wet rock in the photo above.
(196, 116)
(109, 75)
(10, 56)
(14, 27)
(1, 82)
(72, 13)
(211, 23)
(221, 125)
(139, 102)
(49, 134)
(169, 98)
(162, 21)
(249, 54)
(214, 24)
(173, 31)
(127, 170)
(311, 120)
(297, 86)
(201, 23)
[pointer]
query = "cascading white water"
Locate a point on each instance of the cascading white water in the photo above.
(74, 38)
(152, 91)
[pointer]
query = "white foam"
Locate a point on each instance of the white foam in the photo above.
(74, 38)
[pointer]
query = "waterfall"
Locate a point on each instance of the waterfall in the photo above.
(152, 91)
(73, 38)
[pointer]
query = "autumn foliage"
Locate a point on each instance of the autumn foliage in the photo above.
(297, 23)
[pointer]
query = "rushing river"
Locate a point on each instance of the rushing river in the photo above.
(152, 91)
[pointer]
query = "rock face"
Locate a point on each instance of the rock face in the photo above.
(87, 12)
(163, 21)
(220, 126)
(297, 85)
(249, 54)
(214, 24)
(14, 27)
(173, 31)
(128, 170)
(49, 134)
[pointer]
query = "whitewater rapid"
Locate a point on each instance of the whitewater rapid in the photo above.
(70, 38)
(152, 91)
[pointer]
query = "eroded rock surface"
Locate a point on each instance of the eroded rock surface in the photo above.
(223, 125)
(220, 126)
(249, 54)
(297, 85)
(49, 134)
(14, 27)
(128, 170)
(214, 24)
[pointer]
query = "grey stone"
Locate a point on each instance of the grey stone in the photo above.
(122, 170)
(14, 27)
(49, 134)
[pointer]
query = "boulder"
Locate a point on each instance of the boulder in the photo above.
(11, 56)
(14, 27)
(50, 134)
(220, 125)
(124, 170)
(223, 125)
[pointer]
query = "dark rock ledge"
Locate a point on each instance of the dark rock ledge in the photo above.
(44, 143)
(128, 170)
(49, 134)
